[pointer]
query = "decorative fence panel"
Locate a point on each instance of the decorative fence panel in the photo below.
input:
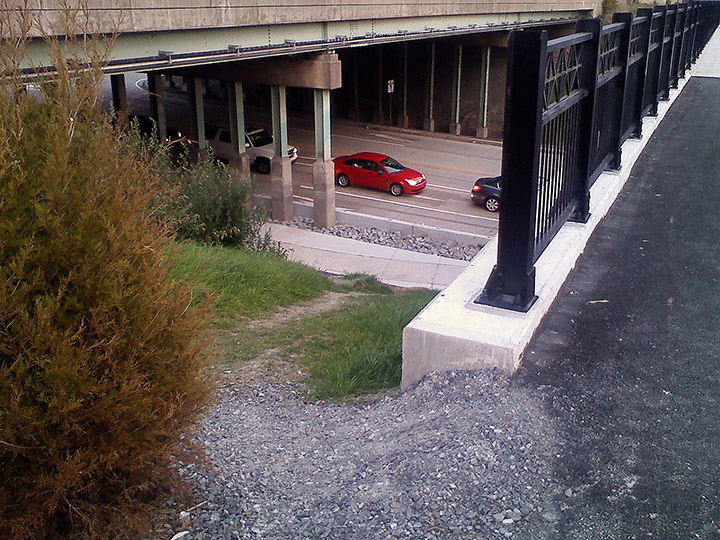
(571, 102)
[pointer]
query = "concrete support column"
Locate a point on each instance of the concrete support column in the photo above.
(457, 83)
(197, 112)
(379, 115)
(405, 120)
(119, 97)
(280, 166)
(429, 123)
(157, 103)
(482, 130)
(323, 168)
(236, 109)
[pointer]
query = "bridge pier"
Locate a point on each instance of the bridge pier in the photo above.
(236, 110)
(119, 97)
(281, 166)
(197, 112)
(429, 123)
(157, 102)
(323, 168)
(457, 83)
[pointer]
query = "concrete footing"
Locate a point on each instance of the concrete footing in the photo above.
(324, 193)
(281, 185)
(241, 163)
(429, 124)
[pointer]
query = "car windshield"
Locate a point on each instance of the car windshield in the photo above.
(392, 165)
(260, 138)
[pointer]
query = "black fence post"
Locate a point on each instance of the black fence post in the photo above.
(678, 45)
(693, 33)
(588, 78)
(666, 59)
(512, 281)
(624, 53)
(643, 45)
(682, 64)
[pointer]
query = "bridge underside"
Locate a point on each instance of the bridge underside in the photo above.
(150, 50)
(437, 73)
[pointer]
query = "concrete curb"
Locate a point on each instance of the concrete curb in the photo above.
(453, 333)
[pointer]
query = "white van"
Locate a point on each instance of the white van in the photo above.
(258, 145)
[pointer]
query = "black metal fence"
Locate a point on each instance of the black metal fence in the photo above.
(571, 103)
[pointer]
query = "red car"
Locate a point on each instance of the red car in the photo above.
(377, 171)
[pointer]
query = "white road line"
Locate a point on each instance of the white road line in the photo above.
(417, 207)
(383, 136)
(425, 197)
(449, 188)
(398, 203)
(308, 199)
(354, 138)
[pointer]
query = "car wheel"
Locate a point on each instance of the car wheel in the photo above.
(343, 180)
(262, 165)
(492, 204)
(396, 189)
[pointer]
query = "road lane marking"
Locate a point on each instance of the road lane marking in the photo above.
(428, 198)
(461, 190)
(417, 207)
(398, 203)
(354, 138)
(383, 136)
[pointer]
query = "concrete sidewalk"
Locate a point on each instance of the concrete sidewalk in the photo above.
(393, 266)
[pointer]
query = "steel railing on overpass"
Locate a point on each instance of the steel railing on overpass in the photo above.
(571, 103)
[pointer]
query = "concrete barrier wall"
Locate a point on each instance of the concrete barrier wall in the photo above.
(165, 15)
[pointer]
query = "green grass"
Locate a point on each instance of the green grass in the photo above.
(246, 283)
(358, 349)
(348, 351)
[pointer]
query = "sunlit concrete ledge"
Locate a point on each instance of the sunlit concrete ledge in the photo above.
(453, 333)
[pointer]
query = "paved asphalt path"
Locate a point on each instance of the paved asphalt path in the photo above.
(628, 360)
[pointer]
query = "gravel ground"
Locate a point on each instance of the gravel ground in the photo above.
(455, 457)
(421, 244)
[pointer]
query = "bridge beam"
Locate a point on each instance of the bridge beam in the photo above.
(320, 71)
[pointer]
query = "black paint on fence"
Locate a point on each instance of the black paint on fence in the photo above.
(570, 104)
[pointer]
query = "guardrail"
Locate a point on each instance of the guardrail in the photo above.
(571, 103)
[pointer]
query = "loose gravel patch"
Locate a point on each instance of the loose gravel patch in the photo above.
(461, 455)
(373, 235)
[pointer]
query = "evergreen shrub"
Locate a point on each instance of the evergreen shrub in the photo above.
(101, 352)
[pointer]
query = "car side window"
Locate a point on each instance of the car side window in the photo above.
(210, 131)
(369, 165)
(354, 163)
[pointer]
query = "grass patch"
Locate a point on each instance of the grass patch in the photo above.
(247, 283)
(348, 350)
(358, 349)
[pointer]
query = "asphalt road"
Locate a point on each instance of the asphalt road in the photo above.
(628, 359)
(451, 165)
